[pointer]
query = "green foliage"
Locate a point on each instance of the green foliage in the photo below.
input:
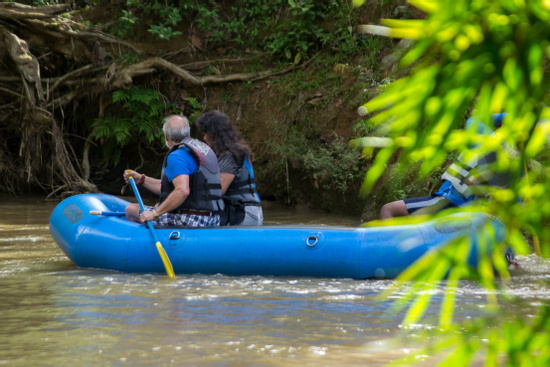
(336, 167)
(342, 36)
(125, 59)
(474, 58)
(165, 14)
(227, 97)
(124, 27)
(297, 154)
(168, 15)
(196, 109)
(162, 32)
(508, 341)
(143, 108)
(135, 114)
(290, 30)
(296, 36)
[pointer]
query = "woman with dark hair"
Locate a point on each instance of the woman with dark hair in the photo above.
(236, 173)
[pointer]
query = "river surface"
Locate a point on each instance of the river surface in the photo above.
(53, 313)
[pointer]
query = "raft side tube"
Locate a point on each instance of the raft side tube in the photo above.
(482, 231)
(385, 252)
(105, 244)
(71, 222)
(310, 251)
(391, 250)
(71, 217)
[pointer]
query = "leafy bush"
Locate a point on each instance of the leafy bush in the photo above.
(289, 30)
(169, 16)
(330, 171)
(336, 167)
(125, 26)
(474, 57)
(196, 108)
(136, 114)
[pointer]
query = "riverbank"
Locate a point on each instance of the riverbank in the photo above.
(292, 88)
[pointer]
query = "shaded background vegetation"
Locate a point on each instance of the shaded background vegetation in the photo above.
(298, 119)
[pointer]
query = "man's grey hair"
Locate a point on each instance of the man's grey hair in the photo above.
(176, 132)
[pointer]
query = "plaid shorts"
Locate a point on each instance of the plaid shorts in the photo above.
(185, 220)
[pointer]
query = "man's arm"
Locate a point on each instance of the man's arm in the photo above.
(151, 184)
(175, 199)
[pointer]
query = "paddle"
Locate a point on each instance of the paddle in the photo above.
(107, 214)
(162, 253)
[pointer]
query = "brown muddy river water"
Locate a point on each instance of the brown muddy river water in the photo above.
(53, 313)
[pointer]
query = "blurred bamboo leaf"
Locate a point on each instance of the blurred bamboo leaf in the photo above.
(473, 57)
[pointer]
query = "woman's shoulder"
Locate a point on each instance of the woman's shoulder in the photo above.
(227, 163)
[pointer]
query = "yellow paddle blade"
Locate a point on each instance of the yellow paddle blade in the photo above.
(166, 261)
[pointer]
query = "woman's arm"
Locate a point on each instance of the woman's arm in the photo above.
(226, 179)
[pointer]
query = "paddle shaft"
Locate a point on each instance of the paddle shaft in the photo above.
(107, 214)
(162, 252)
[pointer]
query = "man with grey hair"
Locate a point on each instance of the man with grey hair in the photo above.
(189, 188)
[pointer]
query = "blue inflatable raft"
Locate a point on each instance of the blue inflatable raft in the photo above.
(112, 242)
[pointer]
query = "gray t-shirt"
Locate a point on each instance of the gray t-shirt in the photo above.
(227, 164)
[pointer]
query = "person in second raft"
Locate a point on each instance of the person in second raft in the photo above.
(463, 181)
(242, 203)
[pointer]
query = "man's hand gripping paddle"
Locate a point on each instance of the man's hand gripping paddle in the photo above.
(162, 253)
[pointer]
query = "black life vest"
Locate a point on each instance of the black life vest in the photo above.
(243, 186)
(240, 194)
(204, 185)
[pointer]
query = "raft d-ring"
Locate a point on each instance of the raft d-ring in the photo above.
(174, 235)
(312, 238)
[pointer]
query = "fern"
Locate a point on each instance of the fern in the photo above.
(120, 95)
(123, 131)
(196, 109)
(135, 113)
